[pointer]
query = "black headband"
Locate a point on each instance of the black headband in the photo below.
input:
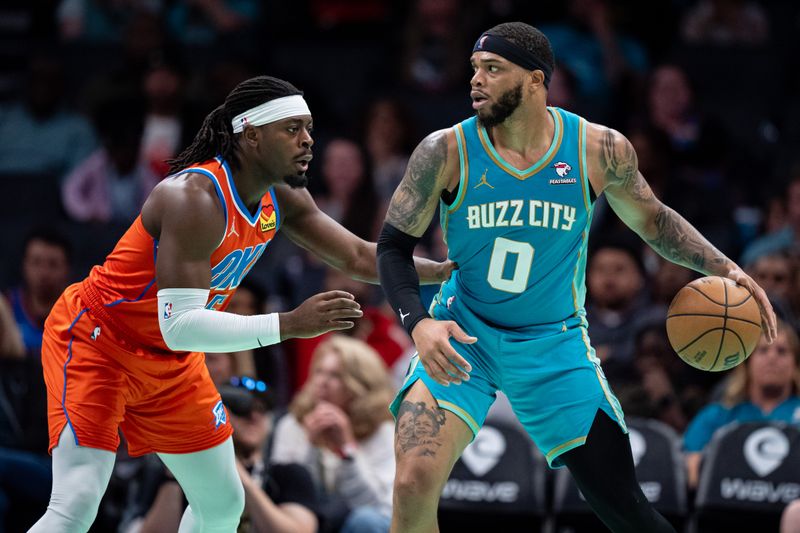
(503, 47)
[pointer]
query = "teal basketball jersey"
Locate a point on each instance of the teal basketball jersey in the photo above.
(520, 236)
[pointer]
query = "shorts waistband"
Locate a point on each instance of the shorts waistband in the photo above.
(93, 300)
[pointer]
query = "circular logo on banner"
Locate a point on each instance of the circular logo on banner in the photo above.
(638, 445)
(765, 450)
(485, 451)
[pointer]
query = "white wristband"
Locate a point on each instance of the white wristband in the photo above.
(187, 325)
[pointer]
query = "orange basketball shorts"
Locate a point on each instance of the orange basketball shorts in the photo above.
(98, 383)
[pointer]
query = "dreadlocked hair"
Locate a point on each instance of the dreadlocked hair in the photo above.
(528, 38)
(216, 135)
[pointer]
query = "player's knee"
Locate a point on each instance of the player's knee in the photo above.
(78, 505)
(417, 480)
(223, 508)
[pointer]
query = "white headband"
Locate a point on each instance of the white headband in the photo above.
(272, 111)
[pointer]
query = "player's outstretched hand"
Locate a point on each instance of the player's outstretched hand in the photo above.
(769, 323)
(319, 314)
(441, 361)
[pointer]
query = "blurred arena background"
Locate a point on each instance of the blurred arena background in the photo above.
(96, 94)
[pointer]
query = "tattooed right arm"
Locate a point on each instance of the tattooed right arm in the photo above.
(414, 202)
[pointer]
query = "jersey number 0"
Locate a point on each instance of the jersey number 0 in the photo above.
(518, 281)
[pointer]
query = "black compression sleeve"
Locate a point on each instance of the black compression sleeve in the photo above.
(398, 276)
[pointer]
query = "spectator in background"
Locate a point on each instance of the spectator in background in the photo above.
(205, 23)
(112, 183)
(671, 106)
(38, 135)
(667, 280)
(99, 22)
(765, 387)
(725, 23)
(700, 156)
(25, 470)
(617, 303)
(787, 239)
(435, 34)
(563, 86)
(349, 195)
(45, 273)
(279, 498)
(430, 66)
(607, 64)
(340, 428)
(776, 273)
(11, 345)
(388, 138)
(145, 43)
(164, 124)
(661, 385)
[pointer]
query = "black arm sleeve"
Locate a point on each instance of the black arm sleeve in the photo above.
(398, 276)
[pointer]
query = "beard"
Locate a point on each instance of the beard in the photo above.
(296, 181)
(507, 103)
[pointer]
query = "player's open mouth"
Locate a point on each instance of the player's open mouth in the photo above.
(302, 162)
(478, 100)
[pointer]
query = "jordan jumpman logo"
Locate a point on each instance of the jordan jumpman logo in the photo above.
(483, 181)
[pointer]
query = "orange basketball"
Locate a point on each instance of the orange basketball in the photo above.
(713, 323)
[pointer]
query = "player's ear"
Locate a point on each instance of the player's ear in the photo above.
(250, 135)
(537, 77)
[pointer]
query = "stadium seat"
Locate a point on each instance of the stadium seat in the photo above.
(659, 469)
(498, 484)
(750, 472)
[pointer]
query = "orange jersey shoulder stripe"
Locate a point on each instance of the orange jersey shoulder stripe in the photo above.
(123, 289)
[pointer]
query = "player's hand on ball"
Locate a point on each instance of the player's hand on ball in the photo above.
(441, 361)
(768, 321)
(327, 311)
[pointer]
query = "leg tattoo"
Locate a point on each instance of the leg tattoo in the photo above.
(418, 427)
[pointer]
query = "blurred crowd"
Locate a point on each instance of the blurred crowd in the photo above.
(96, 94)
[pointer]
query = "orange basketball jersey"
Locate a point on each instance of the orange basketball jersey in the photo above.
(122, 291)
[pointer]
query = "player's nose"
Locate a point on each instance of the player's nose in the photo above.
(477, 79)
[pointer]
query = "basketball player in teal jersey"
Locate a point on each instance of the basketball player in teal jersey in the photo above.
(516, 186)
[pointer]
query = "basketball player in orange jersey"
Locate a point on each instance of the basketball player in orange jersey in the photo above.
(516, 186)
(122, 348)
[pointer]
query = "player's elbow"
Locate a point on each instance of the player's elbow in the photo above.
(173, 339)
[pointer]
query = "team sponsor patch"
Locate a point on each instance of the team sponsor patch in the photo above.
(268, 219)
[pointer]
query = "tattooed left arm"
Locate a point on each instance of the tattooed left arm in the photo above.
(667, 232)
(617, 174)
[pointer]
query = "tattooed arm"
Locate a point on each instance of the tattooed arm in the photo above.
(428, 173)
(614, 170)
(431, 169)
(667, 232)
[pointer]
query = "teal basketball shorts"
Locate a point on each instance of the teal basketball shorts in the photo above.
(549, 372)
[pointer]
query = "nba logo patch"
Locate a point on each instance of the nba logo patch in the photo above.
(220, 417)
(167, 310)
